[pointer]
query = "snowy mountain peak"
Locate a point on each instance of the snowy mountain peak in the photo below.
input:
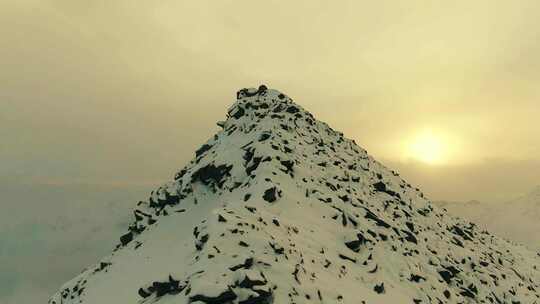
(278, 207)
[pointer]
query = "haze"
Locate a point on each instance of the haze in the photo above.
(103, 100)
(122, 92)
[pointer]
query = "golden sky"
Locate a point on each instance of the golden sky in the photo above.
(123, 92)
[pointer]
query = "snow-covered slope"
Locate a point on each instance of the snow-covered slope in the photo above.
(516, 220)
(280, 208)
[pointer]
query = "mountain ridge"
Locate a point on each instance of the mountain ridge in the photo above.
(278, 207)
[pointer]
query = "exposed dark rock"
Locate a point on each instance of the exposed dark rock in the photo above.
(239, 113)
(102, 266)
(344, 257)
(467, 293)
(143, 293)
(410, 226)
(199, 243)
(416, 278)
(171, 286)
(222, 298)
(370, 215)
(379, 288)
(380, 186)
(264, 136)
(460, 232)
(202, 149)
(247, 282)
(126, 238)
(271, 195)
(288, 164)
(212, 174)
(248, 263)
(446, 275)
(447, 294)
(254, 165)
(410, 237)
(356, 244)
(277, 249)
(292, 110)
(449, 273)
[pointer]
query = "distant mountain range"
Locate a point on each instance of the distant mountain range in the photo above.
(517, 220)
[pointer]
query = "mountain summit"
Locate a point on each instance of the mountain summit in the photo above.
(280, 208)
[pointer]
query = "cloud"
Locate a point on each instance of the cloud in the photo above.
(492, 180)
(49, 233)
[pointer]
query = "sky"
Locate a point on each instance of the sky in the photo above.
(115, 96)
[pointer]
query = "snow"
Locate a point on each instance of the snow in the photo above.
(266, 219)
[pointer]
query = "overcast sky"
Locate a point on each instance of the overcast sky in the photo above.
(120, 93)
(124, 91)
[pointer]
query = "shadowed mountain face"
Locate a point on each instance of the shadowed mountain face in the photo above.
(516, 220)
(280, 208)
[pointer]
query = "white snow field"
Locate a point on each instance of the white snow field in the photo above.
(280, 208)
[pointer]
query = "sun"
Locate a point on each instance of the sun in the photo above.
(428, 148)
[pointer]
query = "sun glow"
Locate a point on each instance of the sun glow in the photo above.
(428, 148)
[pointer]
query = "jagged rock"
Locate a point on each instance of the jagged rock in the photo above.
(224, 297)
(356, 244)
(126, 238)
(271, 194)
(212, 174)
(202, 149)
(379, 288)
